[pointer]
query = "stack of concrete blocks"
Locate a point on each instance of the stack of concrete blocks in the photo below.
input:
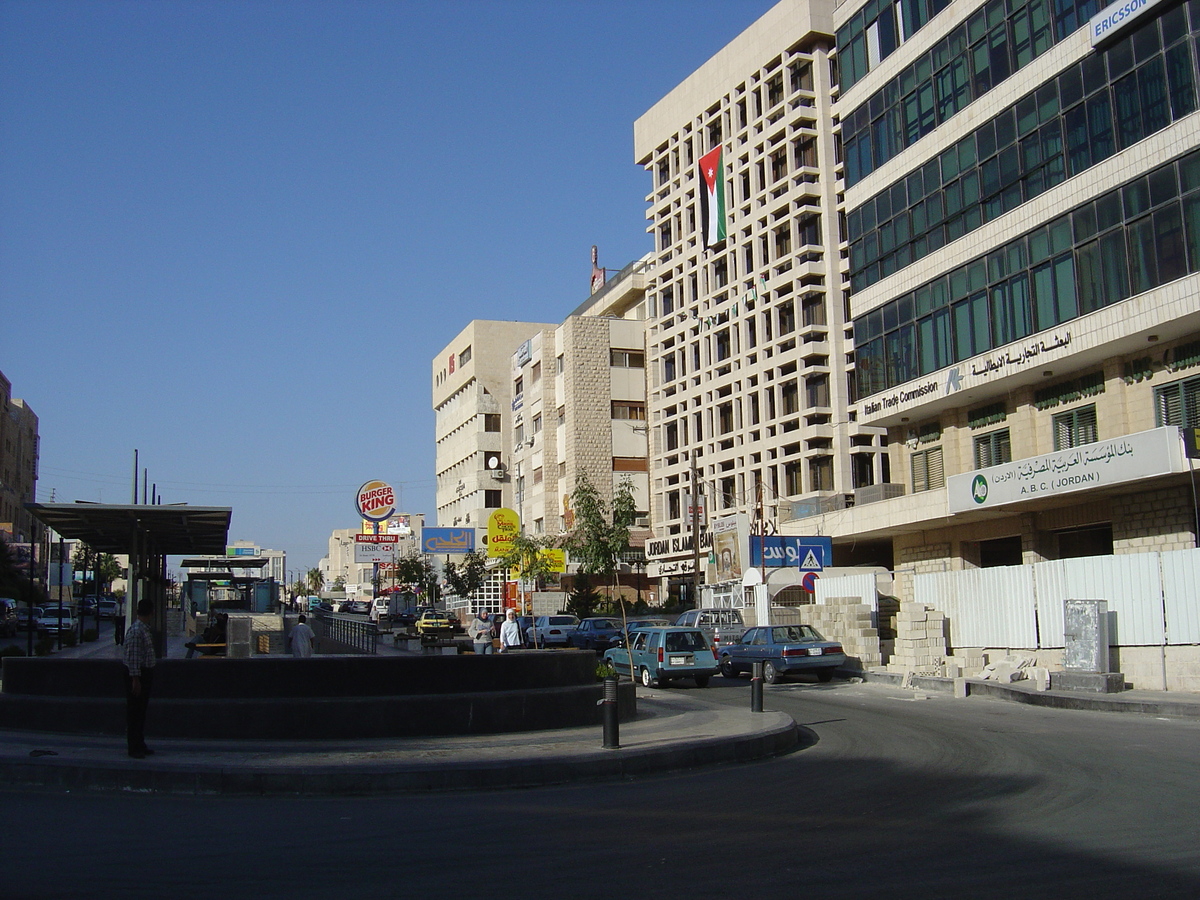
(920, 640)
(968, 662)
(844, 619)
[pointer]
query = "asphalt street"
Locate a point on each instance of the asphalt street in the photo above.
(893, 795)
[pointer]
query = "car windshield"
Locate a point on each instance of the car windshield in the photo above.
(685, 640)
(782, 635)
(562, 620)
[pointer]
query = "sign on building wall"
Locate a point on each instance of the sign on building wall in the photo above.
(1096, 465)
(447, 540)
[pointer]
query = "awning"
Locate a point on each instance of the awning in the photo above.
(168, 530)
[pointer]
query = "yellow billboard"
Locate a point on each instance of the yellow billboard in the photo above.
(503, 525)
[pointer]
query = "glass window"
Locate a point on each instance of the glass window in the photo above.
(1178, 404)
(927, 473)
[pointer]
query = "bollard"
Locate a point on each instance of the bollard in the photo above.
(756, 687)
(612, 730)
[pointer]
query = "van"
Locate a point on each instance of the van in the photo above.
(721, 625)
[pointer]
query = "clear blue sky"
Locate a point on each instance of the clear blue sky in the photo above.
(234, 234)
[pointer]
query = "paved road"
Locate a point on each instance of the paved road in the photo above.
(891, 797)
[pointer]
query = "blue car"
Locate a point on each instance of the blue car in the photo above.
(783, 650)
(665, 653)
(595, 634)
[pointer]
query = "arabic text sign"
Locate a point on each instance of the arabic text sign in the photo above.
(375, 548)
(810, 554)
(448, 540)
(1096, 465)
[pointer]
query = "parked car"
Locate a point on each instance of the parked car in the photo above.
(783, 650)
(355, 607)
(550, 631)
(434, 624)
(28, 618)
(109, 609)
(8, 617)
(54, 618)
(407, 616)
(721, 625)
(596, 634)
(634, 624)
(662, 653)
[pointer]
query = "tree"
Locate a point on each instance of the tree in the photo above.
(598, 539)
(526, 557)
(416, 570)
(466, 578)
(316, 581)
(584, 598)
(84, 561)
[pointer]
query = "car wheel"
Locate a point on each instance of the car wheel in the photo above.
(825, 676)
(770, 673)
(727, 669)
(648, 680)
(702, 681)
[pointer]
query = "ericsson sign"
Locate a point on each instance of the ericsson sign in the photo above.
(1115, 17)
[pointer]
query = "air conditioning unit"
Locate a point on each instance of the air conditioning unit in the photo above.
(642, 522)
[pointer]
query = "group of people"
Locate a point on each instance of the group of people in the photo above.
(484, 632)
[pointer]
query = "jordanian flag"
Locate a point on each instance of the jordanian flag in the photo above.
(712, 197)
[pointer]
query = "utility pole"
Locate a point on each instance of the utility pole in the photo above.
(695, 534)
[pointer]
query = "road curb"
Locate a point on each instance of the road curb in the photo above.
(310, 775)
(1155, 706)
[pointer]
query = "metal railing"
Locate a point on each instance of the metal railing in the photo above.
(339, 634)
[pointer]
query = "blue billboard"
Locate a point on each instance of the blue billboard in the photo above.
(447, 540)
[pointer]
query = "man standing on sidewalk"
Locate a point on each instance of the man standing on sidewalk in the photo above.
(139, 678)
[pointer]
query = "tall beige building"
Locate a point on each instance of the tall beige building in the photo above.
(18, 463)
(473, 414)
(579, 406)
(748, 341)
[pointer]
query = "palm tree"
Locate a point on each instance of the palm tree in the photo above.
(315, 580)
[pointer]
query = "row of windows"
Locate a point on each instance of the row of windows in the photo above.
(875, 31)
(1134, 238)
(1175, 404)
(1108, 102)
(996, 41)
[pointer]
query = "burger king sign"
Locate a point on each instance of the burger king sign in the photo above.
(376, 501)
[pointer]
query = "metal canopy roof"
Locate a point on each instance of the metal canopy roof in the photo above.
(171, 530)
(228, 562)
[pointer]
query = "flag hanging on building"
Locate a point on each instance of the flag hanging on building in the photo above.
(712, 197)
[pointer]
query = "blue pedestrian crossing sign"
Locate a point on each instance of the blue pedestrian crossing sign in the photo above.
(811, 559)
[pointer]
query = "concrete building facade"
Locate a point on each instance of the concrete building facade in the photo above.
(473, 416)
(18, 464)
(579, 406)
(749, 345)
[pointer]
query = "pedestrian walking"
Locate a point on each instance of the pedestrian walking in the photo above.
(301, 639)
(481, 632)
(139, 678)
(119, 623)
(510, 632)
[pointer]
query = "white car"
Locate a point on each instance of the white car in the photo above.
(551, 631)
(55, 617)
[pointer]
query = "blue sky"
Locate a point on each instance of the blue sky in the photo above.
(234, 234)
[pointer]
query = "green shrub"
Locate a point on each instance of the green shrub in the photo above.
(91, 634)
(69, 638)
(604, 669)
(44, 646)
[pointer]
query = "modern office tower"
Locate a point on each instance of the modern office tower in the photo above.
(473, 413)
(1023, 215)
(749, 349)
